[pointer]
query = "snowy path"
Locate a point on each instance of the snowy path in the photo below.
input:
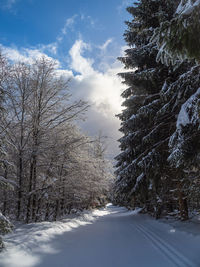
(113, 237)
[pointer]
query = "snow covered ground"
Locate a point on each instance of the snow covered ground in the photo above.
(111, 237)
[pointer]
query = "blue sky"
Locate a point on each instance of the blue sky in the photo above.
(29, 22)
(85, 37)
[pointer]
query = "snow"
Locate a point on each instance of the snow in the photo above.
(7, 181)
(192, 226)
(110, 237)
(138, 181)
(183, 116)
(186, 7)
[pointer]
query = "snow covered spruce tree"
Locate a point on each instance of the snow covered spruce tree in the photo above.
(142, 167)
(158, 168)
(184, 143)
(179, 37)
(144, 173)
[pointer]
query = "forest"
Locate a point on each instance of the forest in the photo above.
(158, 168)
(49, 168)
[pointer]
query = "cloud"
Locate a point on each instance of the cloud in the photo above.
(78, 62)
(106, 44)
(27, 55)
(91, 21)
(94, 82)
(69, 23)
(102, 89)
(52, 48)
(68, 29)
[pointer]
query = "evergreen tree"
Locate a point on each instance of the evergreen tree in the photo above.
(182, 99)
(146, 131)
(178, 39)
(160, 154)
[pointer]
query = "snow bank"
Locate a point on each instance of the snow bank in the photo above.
(28, 241)
(192, 226)
(115, 237)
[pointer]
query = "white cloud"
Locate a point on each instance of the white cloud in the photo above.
(91, 21)
(66, 30)
(78, 62)
(106, 44)
(26, 55)
(52, 48)
(68, 74)
(68, 24)
(101, 87)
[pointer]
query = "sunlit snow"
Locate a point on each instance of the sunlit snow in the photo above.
(110, 237)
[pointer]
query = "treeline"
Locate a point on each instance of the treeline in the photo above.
(48, 168)
(158, 168)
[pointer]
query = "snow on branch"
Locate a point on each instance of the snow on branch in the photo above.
(187, 7)
(7, 181)
(189, 112)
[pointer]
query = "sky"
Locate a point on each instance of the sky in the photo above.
(85, 37)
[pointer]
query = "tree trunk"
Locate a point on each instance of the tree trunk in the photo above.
(29, 204)
(5, 193)
(37, 218)
(20, 187)
(4, 203)
(34, 204)
(57, 210)
(183, 207)
(47, 212)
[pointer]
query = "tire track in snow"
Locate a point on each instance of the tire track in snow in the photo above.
(166, 249)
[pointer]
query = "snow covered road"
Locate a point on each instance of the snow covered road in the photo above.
(111, 237)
